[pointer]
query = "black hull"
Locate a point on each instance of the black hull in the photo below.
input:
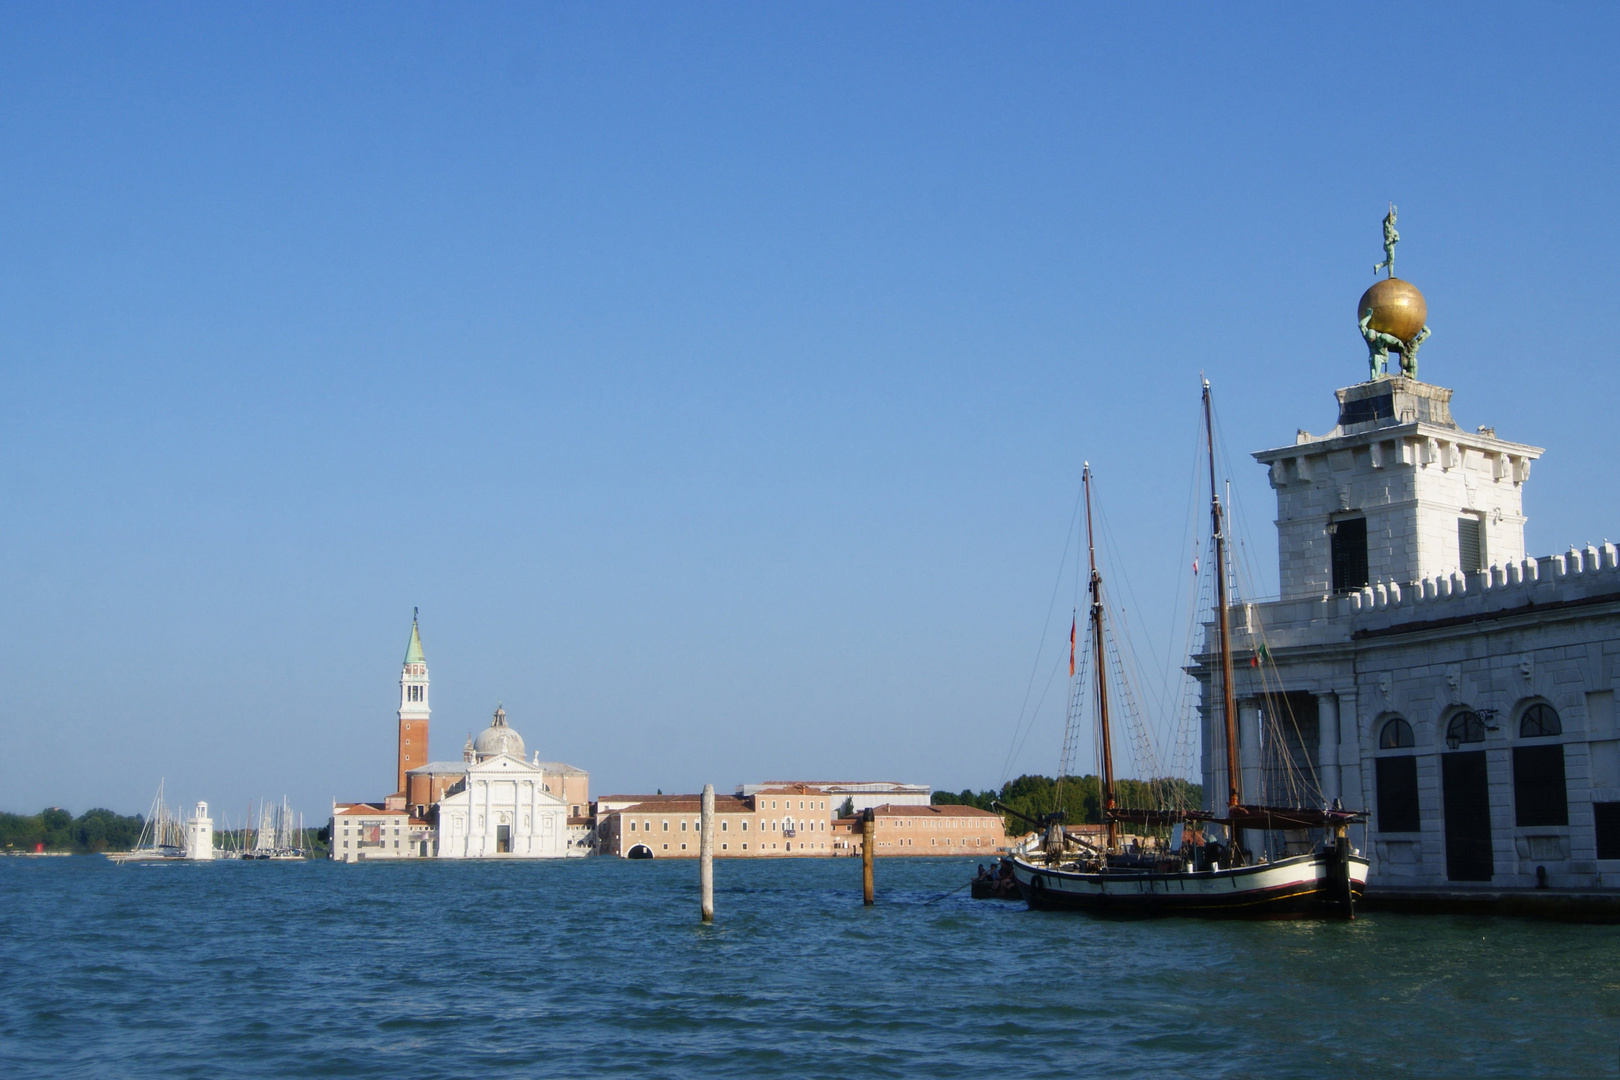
(1243, 893)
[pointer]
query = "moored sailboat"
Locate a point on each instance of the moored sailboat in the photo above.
(162, 836)
(1220, 877)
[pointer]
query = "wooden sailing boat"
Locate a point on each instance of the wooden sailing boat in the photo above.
(1218, 879)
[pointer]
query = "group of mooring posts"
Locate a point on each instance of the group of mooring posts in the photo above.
(706, 854)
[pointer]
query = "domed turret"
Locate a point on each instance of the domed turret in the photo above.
(498, 739)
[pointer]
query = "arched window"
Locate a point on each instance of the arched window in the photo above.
(1540, 796)
(1465, 727)
(1398, 808)
(1397, 735)
(1539, 720)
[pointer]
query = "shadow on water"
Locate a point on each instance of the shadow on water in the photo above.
(601, 967)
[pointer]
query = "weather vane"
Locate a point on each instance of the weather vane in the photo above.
(1391, 238)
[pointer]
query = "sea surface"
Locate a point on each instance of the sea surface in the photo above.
(601, 968)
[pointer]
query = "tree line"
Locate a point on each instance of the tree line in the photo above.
(1081, 797)
(94, 830)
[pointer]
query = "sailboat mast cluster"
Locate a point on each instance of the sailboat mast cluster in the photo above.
(1202, 867)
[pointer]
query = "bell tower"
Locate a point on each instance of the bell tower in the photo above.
(413, 707)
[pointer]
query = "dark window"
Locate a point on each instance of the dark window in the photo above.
(1465, 727)
(1398, 795)
(1349, 542)
(1606, 816)
(1538, 785)
(1539, 720)
(1470, 556)
(1466, 793)
(1396, 735)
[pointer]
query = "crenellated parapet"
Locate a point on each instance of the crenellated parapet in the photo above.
(1579, 574)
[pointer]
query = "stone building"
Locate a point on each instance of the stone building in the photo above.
(366, 831)
(946, 829)
(791, 821)
(858, 795)
(1420, 665)
(503, 806)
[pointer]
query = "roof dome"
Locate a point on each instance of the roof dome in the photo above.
(498, 739)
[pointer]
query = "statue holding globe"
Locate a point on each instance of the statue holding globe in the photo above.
(1392, 315)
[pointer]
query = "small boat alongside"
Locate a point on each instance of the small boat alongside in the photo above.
(1205, 868)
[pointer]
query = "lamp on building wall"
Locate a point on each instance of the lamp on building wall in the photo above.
(1453, 740)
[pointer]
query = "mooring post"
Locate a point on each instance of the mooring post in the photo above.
(868, 834)
(706, 852)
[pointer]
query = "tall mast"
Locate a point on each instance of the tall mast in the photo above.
(1228, 703)
(1099, 658)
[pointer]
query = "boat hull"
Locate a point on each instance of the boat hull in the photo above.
(1300, 887)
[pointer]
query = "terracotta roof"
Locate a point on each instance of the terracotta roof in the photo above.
(682, 804)
(777, 788)
(367, 809)
(940, 810)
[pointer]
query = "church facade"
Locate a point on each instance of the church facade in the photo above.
(1421, 665)
(503, 806)
(494, 803)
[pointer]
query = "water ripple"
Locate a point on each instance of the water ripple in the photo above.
(601, 968)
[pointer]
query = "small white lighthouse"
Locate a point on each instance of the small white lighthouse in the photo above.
(200, 834)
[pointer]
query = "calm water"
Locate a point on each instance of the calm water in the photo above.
(599, 967)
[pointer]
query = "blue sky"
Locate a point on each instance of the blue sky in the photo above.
(715, 378)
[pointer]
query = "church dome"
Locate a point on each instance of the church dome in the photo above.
(498, 739)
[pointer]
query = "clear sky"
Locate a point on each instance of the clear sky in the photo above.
(716, 379)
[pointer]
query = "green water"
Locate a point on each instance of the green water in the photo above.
(600, 968)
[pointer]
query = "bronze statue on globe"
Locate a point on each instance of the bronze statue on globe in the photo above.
(1392, 315)
(1391, 238)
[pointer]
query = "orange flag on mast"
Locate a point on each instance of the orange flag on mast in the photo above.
(1073, 623)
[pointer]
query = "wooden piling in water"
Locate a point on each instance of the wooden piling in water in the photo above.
(706, 852)
(868, 842)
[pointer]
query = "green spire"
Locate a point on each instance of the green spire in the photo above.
(413, 654)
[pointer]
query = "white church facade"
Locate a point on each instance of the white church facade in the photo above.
(503, 807)
(1420, 665)
(493, 804)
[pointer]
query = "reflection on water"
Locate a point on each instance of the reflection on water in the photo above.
(600, 967)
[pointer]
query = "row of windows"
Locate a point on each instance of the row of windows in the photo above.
(725, 826)
(1538, 721)
(1540, 796)
(1347, 544)
(416, 693)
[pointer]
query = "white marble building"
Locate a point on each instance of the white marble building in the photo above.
(504, 807)
(1421, 666)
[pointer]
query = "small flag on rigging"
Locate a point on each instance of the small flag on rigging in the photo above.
(1195, 566)
(1259, 655)
(1074, 624)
